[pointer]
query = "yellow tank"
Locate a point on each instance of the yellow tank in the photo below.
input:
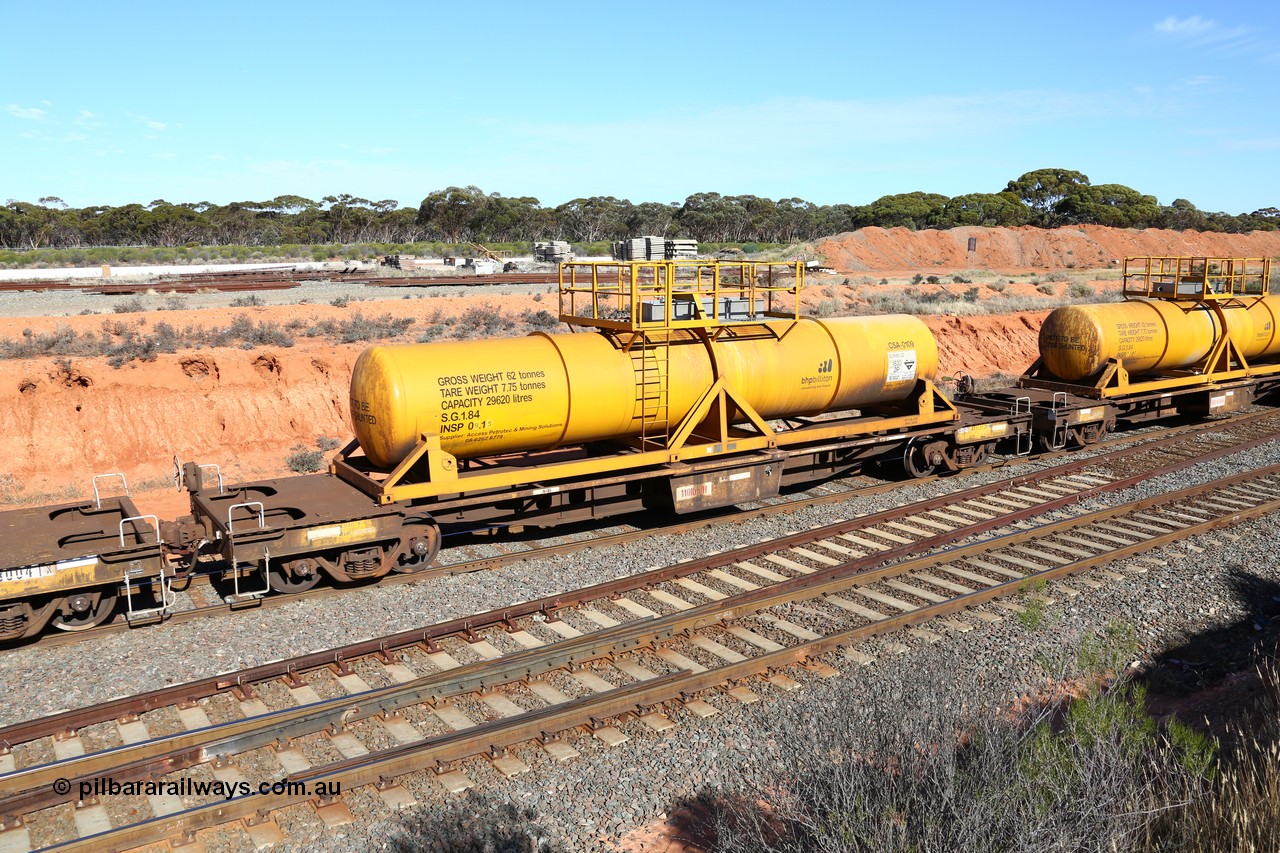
(1151, 334)
(503, 395)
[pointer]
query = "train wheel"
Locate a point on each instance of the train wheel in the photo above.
(921, 459)
(81, 611)
(294, 576)
(419, 545)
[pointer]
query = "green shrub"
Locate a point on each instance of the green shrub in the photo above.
(542, 320)
(431, 333)
(361, 328)
(483, 321)
(303, 461)
(826, 308)
(130, 306)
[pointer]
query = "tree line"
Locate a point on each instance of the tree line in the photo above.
(1046, 198)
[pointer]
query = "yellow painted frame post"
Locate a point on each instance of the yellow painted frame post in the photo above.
(712, 407)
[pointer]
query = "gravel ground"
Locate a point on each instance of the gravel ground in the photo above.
(608, 791)
(67, 677)
(586, 804)
(57, 303)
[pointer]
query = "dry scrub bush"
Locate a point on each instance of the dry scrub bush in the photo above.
(1240, 810)
(123, 342)
(303, 461)
(474, 824)
(967, 305)
(483, 321)
(895, 767)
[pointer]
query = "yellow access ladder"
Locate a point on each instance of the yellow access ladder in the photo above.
(650, 362)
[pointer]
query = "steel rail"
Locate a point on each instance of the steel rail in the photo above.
(72, 720)
(1138, 444)
(161, 755)
(381, 766)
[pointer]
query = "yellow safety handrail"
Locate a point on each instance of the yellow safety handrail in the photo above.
(1196, 279)
(650, 295)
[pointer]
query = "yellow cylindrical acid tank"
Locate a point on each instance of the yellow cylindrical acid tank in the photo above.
(504, 395)
(1151, 334)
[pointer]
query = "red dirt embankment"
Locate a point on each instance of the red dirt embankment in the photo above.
(1024, 248)
(246, 409)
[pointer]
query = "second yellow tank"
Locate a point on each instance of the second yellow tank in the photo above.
(1150, 334)
(504, 395)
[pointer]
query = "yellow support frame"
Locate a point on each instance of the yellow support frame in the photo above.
(609, 297)
(1224, 362)
(926, 407)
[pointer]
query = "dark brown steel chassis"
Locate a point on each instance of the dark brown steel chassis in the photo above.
(76, 719)
(382, 766)
(69, 721)
(485, 563)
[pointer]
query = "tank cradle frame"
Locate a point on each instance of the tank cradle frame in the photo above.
(705, 433)
(1190, 284)
(1222, 381)
(647, 308)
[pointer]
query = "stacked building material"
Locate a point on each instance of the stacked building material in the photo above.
(553, 252)
(677, 248)
(632, 249)
(654, 249)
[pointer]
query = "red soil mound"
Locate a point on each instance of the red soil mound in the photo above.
(245, 409)
(1083, 247)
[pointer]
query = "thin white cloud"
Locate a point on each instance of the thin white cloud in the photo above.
(1264, 144)
(1195, 25)
(31, 113)
(149, 123)
(794, 124)
(1208, 34)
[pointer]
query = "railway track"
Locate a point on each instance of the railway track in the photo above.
(247, 280)
(535, 678)
(552, 277)
(200, 600)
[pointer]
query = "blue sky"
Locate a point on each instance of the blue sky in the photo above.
(112, 103)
